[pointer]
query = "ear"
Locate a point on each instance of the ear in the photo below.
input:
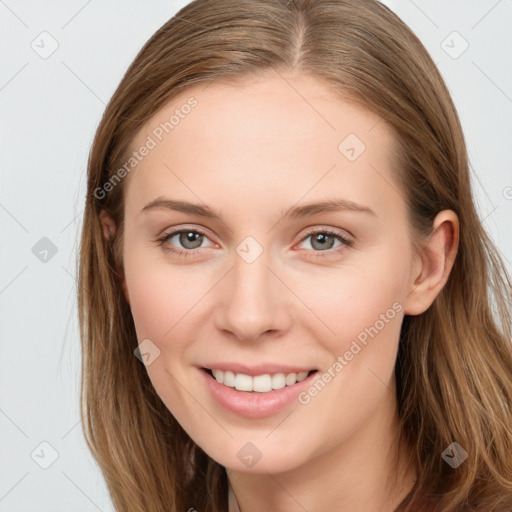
(433, 266)
(109, 230)
(108, 225)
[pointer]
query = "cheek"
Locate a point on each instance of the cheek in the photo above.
(151, 305)
(161, 304)
(160, 295)
(363, 308)
(355, 299)
(365, 313)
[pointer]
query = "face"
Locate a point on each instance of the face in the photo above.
(267, 285)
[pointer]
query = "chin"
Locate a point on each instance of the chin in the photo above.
(250, 459)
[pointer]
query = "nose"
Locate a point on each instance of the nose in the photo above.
(253, 301)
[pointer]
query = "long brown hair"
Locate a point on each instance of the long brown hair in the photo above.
(454, 365)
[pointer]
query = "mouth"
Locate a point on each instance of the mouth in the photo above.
(264, 383)
(256, 396)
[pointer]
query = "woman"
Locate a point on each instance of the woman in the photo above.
(279, 225)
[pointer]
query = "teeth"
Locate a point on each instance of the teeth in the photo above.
(259, 383)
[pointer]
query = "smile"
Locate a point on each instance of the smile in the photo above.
(259, 383)
(253, 396)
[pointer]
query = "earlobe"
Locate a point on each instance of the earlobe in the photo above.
(436, 262)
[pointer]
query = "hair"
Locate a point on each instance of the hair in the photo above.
(454, 363)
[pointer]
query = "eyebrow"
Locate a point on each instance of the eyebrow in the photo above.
(295, 212)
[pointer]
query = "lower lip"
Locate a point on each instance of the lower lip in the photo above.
(253, 404)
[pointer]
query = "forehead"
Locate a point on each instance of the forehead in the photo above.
(256, 135)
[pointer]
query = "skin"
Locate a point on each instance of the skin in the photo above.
(251, 150)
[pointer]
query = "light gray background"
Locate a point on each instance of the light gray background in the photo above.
(50, 110)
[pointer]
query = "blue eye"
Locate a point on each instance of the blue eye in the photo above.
(191, 241)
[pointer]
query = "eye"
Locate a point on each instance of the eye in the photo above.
(323, 240)
(189, 239)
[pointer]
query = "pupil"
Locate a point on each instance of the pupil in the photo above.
(321, 239)
(189, 237)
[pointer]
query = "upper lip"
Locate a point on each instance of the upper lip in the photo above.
(258, 369)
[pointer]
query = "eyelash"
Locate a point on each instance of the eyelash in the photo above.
(345, 242)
